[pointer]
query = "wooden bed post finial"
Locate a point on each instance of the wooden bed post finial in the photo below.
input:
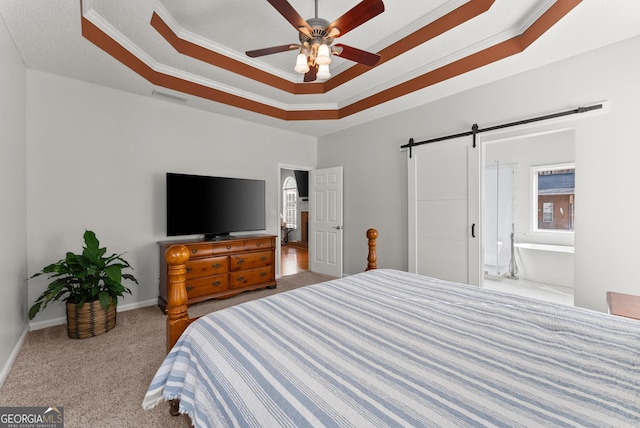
(177, 315)
(372, 258)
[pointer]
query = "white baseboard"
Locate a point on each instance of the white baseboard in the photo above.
(37, 325)
(14, 354)
(137, 305)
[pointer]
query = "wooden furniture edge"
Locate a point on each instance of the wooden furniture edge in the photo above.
(178, 319)
(623, 305)
(372, 257)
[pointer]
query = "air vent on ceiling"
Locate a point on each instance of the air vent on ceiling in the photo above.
(168, 96)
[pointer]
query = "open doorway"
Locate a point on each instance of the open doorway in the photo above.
(294, 220)
(528, 241)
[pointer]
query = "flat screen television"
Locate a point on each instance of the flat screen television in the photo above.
(302, 181)
(214, 206)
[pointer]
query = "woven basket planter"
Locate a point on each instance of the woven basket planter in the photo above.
(89, 320)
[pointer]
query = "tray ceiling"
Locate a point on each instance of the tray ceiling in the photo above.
(192, 52)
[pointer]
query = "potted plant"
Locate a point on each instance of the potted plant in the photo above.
(90, 284)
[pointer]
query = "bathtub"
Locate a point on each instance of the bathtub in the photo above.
(548, 264)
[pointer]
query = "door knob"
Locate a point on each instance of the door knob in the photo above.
(337, 227)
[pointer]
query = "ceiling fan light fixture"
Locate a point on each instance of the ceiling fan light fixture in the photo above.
(323, 71)
(302, 65)
(316, 37)
(324, 55)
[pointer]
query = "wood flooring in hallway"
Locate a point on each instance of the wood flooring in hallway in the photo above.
(293, 259)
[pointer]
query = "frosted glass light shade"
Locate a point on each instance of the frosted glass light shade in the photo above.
(301, 64)
(323, 57)
(323, 72)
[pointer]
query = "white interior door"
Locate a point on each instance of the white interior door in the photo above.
(325, 221)
(444, 215)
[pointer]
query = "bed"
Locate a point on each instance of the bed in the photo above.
(386, 348)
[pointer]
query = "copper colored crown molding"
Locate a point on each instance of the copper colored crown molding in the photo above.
(451, 20)
(457, 17)
(471, 62)
(219, 60)
(479, 59)
(98, 37)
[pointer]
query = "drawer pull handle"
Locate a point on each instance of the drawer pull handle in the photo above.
(217, 266)
(263, 258)
(189, 288)
(189, 269)
(263, 274)
(241, 279)
(228, 247)
(216, 284)
(194, 251)
(240, 261)
(258, 244)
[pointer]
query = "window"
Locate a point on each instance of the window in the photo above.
(290, 202)
(553, 197)
(547, 211)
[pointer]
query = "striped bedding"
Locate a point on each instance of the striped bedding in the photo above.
(387, 348)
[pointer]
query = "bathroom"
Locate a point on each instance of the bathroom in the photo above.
(528, 214)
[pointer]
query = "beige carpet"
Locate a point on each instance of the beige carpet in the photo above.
(101, 381)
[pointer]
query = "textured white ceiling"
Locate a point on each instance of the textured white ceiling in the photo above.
(48, 36)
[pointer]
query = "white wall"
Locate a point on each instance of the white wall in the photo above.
(607, 151)
(13, 208)
(96, 159)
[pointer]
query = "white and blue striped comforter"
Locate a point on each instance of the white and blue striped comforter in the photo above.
(386, 349)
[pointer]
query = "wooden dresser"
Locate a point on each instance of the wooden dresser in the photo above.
(225, 268)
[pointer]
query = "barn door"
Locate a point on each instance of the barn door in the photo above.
(444, 210)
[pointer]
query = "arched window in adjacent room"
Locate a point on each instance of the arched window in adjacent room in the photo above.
(290, 202)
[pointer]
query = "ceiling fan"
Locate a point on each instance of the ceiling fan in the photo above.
(317, 35)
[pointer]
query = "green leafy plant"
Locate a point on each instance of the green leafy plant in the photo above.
(86, 277)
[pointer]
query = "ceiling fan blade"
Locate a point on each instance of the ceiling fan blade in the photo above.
(358, 15)
(311, 75)
(271, 50)
(357, 55)
(289, 13)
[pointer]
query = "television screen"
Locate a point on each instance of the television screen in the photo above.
(302, 180)
(214, 206)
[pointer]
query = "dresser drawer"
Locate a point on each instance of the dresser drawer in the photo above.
(249, 277)
(197, 251)
(205, 267)
(207, 286)
(227, 247)
(209, 270)
(250, 260)
(258, 244)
